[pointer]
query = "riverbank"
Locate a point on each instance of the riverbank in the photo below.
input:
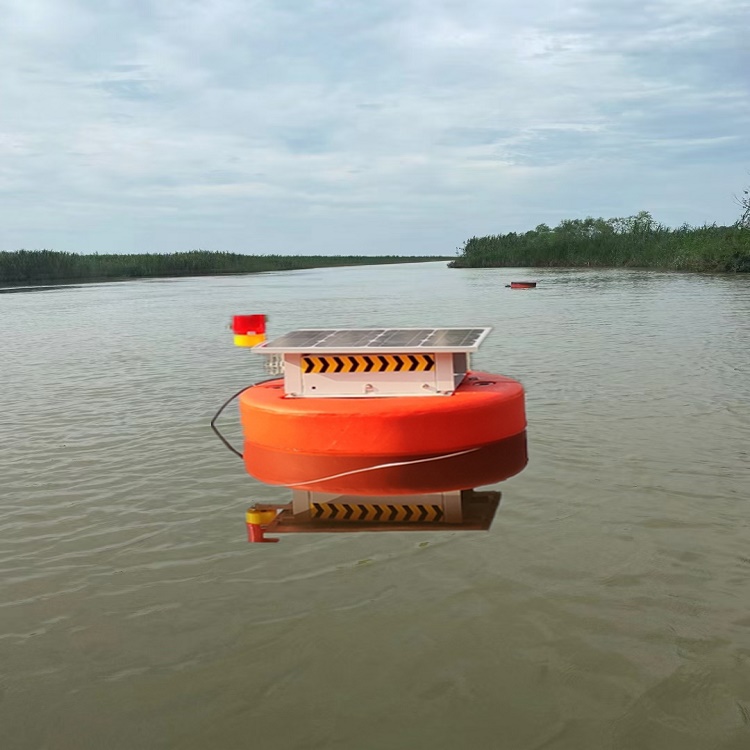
(47, 266)
(631, 242)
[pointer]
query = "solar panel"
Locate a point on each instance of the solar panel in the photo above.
(347, 338)
(385, 339)
(401, 337)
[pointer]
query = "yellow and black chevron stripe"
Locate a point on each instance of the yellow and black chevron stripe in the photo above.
(368, 363)
(364, 512)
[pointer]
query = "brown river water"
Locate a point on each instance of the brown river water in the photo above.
(607, 607)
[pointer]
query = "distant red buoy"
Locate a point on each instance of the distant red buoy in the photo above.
(522, 285)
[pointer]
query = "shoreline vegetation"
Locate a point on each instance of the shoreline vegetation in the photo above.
(630, 242)
(46, 266)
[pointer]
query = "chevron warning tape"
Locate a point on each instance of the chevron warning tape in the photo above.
(368, 363)
(363, 512)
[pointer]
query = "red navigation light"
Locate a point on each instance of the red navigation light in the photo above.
(249, 330)
(242, 325)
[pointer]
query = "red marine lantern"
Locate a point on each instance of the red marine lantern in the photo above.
(249, 330)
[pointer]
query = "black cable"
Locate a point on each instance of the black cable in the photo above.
(224, 406)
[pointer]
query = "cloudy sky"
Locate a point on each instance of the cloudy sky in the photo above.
(363, 126)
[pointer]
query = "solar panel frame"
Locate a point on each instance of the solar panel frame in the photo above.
(396, 340)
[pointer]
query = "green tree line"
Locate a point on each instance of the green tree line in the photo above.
(34, 266)
(634, 241)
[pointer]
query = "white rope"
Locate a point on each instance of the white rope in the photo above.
(380, 466)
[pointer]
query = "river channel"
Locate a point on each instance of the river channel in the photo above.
(607, 607)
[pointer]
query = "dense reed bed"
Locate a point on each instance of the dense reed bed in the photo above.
(31, 267)
(634, 241)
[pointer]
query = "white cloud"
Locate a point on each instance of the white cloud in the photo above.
(258, 125)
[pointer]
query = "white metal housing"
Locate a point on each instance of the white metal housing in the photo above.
(374, 362)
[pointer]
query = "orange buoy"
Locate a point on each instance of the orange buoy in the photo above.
(522, 285)
(372, 446)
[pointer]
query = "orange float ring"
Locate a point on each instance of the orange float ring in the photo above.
(298, 441)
